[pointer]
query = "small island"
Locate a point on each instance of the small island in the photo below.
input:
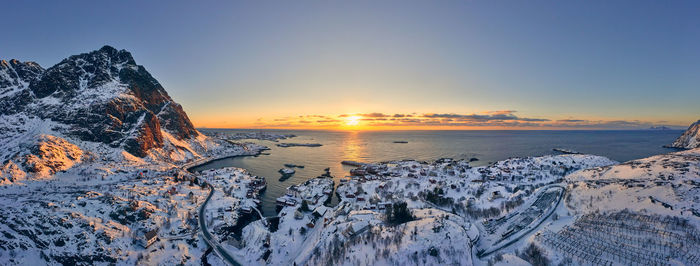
(287, 145)
(566, 151)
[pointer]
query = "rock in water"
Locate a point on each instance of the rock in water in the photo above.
(690, 138)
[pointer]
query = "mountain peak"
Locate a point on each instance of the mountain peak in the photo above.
(690, 138)
(16, 75)
(108, 48)
(101, 96)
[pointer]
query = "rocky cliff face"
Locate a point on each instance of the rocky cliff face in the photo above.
(16, 75)
(690, 138)
(101, 96)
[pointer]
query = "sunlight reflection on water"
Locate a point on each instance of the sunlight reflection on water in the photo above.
(487, 146)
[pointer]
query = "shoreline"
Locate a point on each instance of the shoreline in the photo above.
(202, 161)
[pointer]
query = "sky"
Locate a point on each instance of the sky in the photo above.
(391, 64)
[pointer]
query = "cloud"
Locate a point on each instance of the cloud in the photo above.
(374, 115)
(499, 118)
(501, 112)
(494, 116)
(328, 121)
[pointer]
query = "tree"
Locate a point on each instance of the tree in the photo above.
(305, 206)
(534, 255)
(398, 213)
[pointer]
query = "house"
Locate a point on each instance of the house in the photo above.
(496, 195)
(149, 238)
(298, 215)
(348, 231)
(321, 211)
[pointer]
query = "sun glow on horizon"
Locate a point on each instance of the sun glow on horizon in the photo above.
(485, 120)
(352, 120)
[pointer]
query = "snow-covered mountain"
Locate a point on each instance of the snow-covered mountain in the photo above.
(15, 75)
(100, 102)
(690, 138)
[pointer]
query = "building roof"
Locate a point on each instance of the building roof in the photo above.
(151, 234)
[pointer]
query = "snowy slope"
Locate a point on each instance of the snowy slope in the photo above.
(690, 138)
(100, 103)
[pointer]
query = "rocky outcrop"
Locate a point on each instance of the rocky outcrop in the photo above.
(51, 154)
(16, 75)
(45, 156)
(100, 96)
(690, 138)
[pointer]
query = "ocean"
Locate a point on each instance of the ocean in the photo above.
(376, 146)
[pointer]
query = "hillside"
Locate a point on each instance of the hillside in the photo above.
(690, 138)
(100, 104)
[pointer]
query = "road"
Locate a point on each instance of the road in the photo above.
(213, 243)
(529, 230)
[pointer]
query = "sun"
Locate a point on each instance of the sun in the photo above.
(352, 120)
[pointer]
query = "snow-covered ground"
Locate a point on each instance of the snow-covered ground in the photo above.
(95, 204)
(67, 201)
(644, 211)
(73, 219)
(449, 200)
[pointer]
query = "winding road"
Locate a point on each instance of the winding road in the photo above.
(213, 243)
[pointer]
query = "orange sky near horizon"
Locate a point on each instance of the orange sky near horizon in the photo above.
(488, 120)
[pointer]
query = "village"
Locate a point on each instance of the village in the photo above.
(144, 215)
(509, 199)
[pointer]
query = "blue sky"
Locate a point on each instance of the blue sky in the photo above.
(237, 63)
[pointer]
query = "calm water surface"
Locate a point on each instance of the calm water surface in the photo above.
(373, 146)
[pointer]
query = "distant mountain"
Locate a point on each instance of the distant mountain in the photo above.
(659, 128)
(690, 138)
(100, 96)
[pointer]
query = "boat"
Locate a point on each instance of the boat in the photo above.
(289, 165)
(287, 171)
(358, 172)
(352, 163)
(291, 202)
(400, 141)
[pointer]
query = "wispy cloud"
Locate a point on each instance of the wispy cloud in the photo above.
(499, 118)
(487, 116)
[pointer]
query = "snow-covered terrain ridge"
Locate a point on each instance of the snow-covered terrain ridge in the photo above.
(448, 200)
(101, 96)
(101, 103)
(667, 184)
(644, 211)
(16, 75)
(690, 138)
